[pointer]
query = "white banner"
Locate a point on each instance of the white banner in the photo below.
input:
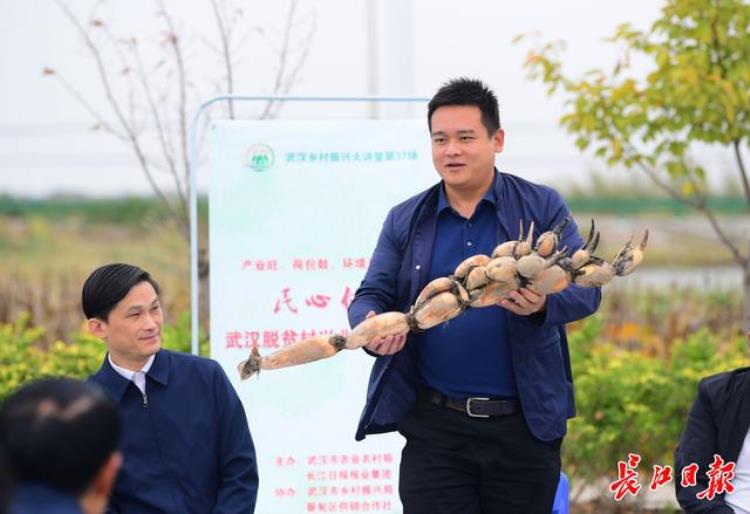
(295, 211)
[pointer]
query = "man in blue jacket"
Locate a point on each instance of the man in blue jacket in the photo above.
(186, 444)
(482, 400)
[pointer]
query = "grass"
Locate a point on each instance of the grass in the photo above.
(125, 210)
(47, 248)
(45, 262)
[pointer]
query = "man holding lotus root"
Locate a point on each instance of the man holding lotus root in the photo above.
(482, 400)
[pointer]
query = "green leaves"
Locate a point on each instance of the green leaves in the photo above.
(698, 89)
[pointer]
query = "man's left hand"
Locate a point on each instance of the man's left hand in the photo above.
(524, 302)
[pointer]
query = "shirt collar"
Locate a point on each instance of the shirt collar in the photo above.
(116, 384)
(490, 195)
(126, 373)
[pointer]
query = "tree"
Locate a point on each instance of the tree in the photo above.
(697, 92)
(149, 95)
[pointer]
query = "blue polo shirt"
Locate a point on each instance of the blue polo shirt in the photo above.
(469, 355)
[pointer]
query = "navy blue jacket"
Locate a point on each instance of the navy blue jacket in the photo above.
(42, 499)
(186, 444)
(398, 272)
(717, 424)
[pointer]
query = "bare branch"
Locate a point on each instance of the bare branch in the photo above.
(243, 39)
(97, 5)
(98, 118)
(226, 53)
(114, 104)
(667, 188)
(292, 76)
(114, 42)
(135, 101)
(209, 44)
(100, 122)
(124, 70)
(741, 166)
(160, 130)
(181, 85)
(281, 70)
(700, 206)
(742, 260)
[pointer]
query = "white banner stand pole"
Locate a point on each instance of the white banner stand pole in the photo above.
(193, 165)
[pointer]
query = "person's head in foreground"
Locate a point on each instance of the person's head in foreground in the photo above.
(59, 438)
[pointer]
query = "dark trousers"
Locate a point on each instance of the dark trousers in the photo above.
(453, 463)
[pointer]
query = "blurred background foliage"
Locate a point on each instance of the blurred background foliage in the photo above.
(633, 392)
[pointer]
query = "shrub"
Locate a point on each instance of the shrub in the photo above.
(24, 358)
(636, 401)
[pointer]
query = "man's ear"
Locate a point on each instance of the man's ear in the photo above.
(104, 480)
(95, 498)
(96, 327)
(499, 140)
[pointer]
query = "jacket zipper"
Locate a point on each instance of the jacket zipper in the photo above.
(145, 401)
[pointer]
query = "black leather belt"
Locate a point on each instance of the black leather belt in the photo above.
(475, 407)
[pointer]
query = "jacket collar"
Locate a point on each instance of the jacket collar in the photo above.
(159, 371)
(489, 196)
(507, 229)
(116, 385)
(499, 186)
(422, 239)
(735, 420)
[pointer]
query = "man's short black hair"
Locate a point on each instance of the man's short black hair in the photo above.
(109, 284)
(58, 432)
(465, 91)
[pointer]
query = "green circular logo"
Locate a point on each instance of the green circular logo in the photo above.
(260, 157)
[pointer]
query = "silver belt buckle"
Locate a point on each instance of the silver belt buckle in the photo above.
(468, 408)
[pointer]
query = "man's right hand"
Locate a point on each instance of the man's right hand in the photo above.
(387, 345)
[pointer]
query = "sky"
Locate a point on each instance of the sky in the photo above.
(47, 144)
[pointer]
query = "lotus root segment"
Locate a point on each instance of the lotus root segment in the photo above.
(595, 274)
(530, 265)
(550, 280)
(307, 350)
(467, 265)
(436, 286)
(479, 281)
(547, 243)
(524, 247)
(382, 325)
(440, 308)
(630, 258)
(503, 270)
(251, 365)
(476, 278)
(491, 294)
